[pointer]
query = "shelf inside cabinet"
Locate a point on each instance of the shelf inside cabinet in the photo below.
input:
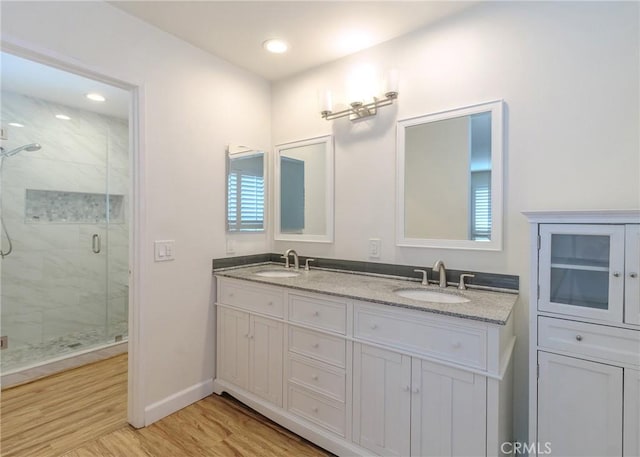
(569, 263)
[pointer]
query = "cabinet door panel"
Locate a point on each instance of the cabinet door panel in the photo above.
(581, 270)
(233, 346)
(631, 413)
(381, 400)
(632, 272)
(579, 407)
(448, 411)
(266, 359)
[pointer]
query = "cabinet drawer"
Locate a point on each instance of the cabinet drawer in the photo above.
(600, 341)
(316, 312)
(443, 340)
(318, 377)
(320, 410)
(243, 294)
(327, 348)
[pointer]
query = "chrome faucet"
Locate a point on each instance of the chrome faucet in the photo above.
(439, 265)
(296, 262)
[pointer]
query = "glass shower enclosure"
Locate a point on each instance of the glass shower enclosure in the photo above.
(64, 210)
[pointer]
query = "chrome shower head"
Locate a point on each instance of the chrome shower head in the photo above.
(27, 147)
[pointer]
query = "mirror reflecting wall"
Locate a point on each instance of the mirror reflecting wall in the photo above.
(449, 179)
(304, 190)
(245, 189)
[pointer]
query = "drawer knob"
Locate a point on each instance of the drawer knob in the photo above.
(316, 313)
(231, 294)
(616, 274)
(316, 345)
(315, 410)
(374, 326)
(314, 377)
(406, 388)
(270, 303)
(456, 345)
(578, 337)
(633, 275)
(416, 390)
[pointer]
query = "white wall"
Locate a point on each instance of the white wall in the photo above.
(194, 104)
(568, 73)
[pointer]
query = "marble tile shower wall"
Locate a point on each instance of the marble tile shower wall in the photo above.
(53, 284)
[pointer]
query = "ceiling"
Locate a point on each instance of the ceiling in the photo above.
(317, 32)
(47, 83)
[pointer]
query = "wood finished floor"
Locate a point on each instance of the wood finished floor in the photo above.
(82, 413)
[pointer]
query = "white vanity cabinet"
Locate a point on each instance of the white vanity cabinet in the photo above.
(359, 378)
(430, 400)
(585, 338)
(382, 400)
(250, 346)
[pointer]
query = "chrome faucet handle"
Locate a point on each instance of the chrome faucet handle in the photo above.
(461, 284)
(286, 260)
(306, 264)
(424, 276)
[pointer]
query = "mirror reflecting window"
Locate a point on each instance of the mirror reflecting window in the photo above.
(450, 179)
(245, 189)
(304, 190)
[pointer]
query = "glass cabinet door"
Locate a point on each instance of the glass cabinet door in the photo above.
(581, 270)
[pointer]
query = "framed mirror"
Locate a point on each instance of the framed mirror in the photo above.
(245, 190)
(449, 178)
(304, 190)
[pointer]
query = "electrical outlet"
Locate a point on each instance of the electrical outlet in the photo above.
(374, 248)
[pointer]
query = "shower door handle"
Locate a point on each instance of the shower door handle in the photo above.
(95, 243)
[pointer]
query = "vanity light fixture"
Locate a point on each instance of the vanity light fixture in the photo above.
(94, 96)
(358, 109)
(15, 124)
(276, 46)
(63, 117)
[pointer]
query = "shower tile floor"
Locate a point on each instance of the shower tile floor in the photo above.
(32, 354)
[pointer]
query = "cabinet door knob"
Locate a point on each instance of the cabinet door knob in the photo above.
(270, 303)
(456, 345)
(416, 390)
(374, 326)
(406, 388)
(578, 337)
(314, 377)
(316, 313)
(315, 410)
(316, 345)
(633, 275)
(616, 274)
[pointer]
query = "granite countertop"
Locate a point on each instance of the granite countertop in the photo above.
(486, 306)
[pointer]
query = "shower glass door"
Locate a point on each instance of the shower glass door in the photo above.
(64, 207)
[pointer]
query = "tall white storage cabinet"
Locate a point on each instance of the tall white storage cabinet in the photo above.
(585, 334)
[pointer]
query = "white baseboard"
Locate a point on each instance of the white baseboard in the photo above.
(177, 401)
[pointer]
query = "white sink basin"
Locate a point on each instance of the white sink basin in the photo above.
(430, 296)
(277, 274)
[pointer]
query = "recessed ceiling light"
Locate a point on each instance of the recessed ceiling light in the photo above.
(63, 117)
(15, 124)
(96, 97)
(275, 46)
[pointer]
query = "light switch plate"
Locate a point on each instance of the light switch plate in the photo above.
(164, 250)
(374, 248)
